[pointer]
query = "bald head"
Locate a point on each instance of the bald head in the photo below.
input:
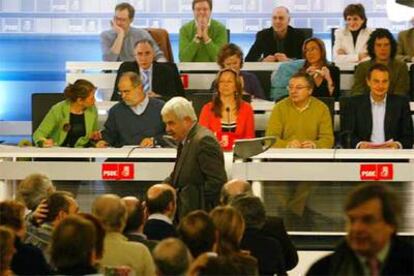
(233, 188)
(160, 198)
(130, 203)
(280, 20)
(171, 256)
(111, 211)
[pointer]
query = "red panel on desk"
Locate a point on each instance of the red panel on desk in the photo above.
(376, 172)
(184, 79)
(115, 171)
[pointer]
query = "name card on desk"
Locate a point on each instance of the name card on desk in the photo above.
(376, 172)
(114, 171)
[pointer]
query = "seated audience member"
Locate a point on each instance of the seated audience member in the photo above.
(118, 251)
(171, 257)
(301, 121)
(33, 189)
(60, 205)
(6, 250)
(199, 162)
(273, 226)
(351, 42)
(325, 75)
(72, 122)
(279, 80)
(198, 232)
(382, 48)
(280, 42)
(227, 115)
(161, 206)
(267, 250)
(118, 44)
(231, 57)
(99, 234)
(405, 49)
(27, 259)
(371, 246)
(158, 79)
(134, 228)
(230, 227)
(73, 247)
(136, 120)
(201, 38)
(380, 120)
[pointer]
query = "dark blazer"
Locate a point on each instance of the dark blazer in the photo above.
(398, 123)
(275, 228)
(398, 262)
(166, 80)
(266, 250)
(157, 230)
(150, 244)
(265, 44)
(29, 260)
(199, 172)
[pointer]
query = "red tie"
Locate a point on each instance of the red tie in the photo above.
(373, 265)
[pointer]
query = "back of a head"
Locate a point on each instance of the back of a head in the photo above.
(171, 257)
(111, 211)
(12, 214)
(99, 233)
(56, 202)
(213, 264)
(73, 243)
(252, 210)
(198, 232)
(158, 198)
(233, 188)
(6, 248)
(136, 215)
(33, 189)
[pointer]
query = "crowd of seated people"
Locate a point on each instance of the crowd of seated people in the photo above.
(236, 238)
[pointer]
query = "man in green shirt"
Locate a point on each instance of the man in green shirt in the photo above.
(201, 38)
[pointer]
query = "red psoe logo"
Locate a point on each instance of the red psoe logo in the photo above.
(376, 172)
(114, 171)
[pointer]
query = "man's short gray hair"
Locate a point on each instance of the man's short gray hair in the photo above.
(180, 107)
(33, 189)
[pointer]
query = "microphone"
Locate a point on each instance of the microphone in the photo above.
(228, 114)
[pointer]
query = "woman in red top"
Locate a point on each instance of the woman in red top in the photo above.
(227, 112)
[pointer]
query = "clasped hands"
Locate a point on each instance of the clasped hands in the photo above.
(202, 29)
(296, 144)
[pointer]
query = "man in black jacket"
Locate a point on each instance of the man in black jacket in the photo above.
(280, 42)
(158, 79)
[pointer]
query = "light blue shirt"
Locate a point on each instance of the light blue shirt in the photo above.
(140, 108)
(378, 117)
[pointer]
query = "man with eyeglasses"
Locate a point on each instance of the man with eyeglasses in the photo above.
(280, 42)
(118, 43)
(371, 247)
(158, 79)
(303, 122)
(136, 120)
(201, 38)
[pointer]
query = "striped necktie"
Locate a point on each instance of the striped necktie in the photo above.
(146, 81)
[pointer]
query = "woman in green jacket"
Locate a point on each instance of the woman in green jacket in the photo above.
(72, 122)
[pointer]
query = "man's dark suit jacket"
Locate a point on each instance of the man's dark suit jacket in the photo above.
(166, 80)
(275, 228)
(199, 172)
(265, 44)
(398, 262)
(158, 230)
(398, 123)
(150, 244)
(266, 250)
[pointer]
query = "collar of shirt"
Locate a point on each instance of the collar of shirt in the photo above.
(381, 255)
(140, 108)
(303, 108)
(160, 217)
(149, 69)
(383, 102)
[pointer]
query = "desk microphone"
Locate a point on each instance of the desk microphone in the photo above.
(228, 114)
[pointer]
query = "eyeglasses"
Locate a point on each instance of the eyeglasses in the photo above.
(299, 87)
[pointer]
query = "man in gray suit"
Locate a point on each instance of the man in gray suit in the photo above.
(198, 173)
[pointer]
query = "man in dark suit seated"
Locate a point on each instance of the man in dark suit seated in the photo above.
(379, 119)
(273, 227)
(371, 246)
(158, 79)
(267, 250)
(134, 228)
(280, 42)
(199, 172)
(161, 205)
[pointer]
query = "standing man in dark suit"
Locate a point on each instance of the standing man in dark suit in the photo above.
(158, 79)
(161, 206)
(280, 42)
(199, 172)
(371, 246)
(379, 119)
